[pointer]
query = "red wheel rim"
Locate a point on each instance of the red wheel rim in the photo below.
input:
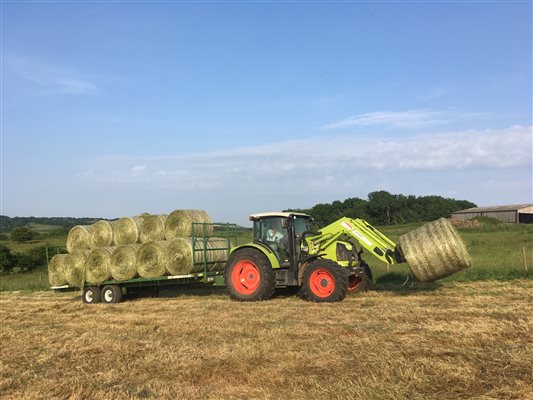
(322, 283)
(353, 283)
(245, 277)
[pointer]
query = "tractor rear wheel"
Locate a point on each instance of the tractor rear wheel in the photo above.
(324, 281)
(249, 276)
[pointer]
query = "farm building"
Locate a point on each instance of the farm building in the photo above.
(515, 214)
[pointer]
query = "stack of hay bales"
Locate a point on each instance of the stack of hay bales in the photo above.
(149, 246)
(434, 251)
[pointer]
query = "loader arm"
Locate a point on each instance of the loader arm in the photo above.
(365, 234)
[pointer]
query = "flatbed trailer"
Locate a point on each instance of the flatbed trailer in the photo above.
(113, 291)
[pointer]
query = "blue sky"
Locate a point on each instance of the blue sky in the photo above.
(118, 108)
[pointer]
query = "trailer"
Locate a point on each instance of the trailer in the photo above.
(114, 291)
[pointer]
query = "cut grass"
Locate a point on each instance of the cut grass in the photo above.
(462, 340)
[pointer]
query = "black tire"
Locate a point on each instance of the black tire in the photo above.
(249, 276)
(91, 295)
(368, 271)
(361, 283)
(324, 281)
(358, 284)
(111, 294)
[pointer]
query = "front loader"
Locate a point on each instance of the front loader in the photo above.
(324, 264)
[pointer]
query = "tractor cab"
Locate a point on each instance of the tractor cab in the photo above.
(282, 233)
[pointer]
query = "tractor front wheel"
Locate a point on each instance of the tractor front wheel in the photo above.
(324, 281)
(249, 276)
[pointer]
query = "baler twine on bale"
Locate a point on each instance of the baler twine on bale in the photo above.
(434, 251)
(152, 259)
(79, 238)
(56, 270)
(74, 267)
(179, 224)
(127, 230)
(102, 234)
(123, 262)
(180, 255)
(97, 268)
(153, 228)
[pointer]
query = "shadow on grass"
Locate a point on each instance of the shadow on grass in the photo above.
(402, 284)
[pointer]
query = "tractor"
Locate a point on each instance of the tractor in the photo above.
(323, 265)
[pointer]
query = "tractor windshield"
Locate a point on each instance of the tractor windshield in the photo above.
(301, 225)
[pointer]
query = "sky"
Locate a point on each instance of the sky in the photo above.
(111, 109)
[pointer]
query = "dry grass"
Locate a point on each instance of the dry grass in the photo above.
(456, 341)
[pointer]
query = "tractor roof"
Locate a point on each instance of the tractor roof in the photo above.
(277, 214)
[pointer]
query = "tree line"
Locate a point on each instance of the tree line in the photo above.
(7, 224)
(384, 208)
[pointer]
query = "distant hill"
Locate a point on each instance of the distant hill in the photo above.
(43, 224)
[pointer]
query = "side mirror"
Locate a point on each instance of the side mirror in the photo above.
(284, 223)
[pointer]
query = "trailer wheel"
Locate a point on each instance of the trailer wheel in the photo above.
(91, 295)
(249, 276)
(111, 294)
(324, 281)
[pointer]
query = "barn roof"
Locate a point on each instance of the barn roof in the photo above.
(514, 207)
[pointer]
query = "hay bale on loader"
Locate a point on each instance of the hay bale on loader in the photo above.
(179, 224)
(56, 270)
(74, 267)
(180, 255)
(97, 265)
(128, 230)
(153, 228)
(123, 264)
(434, 251)
(79, 238)
(102, 234)
(152, 259)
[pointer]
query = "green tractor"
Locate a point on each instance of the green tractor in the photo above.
(324, 265)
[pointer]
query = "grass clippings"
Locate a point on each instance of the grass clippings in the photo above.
(467, 340)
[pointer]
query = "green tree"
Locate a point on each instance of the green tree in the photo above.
(7, 259)
(22, 234)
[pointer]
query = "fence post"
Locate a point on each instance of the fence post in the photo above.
(524, 257)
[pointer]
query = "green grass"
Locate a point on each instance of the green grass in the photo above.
(43, 228)
(496, 251)
(31, 281)
(23, 247)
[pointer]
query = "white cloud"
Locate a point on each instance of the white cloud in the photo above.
(138, 168)
(301, 164)
(400, 119)
(51, 78)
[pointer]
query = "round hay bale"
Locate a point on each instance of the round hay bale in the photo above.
(79, 238)
(152, 259)
(127, 230)
(123, 262)
(180, 255)
(102, 234)
(153, 228)
(74, 267)
(97, 268)
(434, 251)
(56, 270)
(179, 224)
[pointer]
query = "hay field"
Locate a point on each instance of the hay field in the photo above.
(458, 340)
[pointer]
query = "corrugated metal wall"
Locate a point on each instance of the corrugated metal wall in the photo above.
(504, 216)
